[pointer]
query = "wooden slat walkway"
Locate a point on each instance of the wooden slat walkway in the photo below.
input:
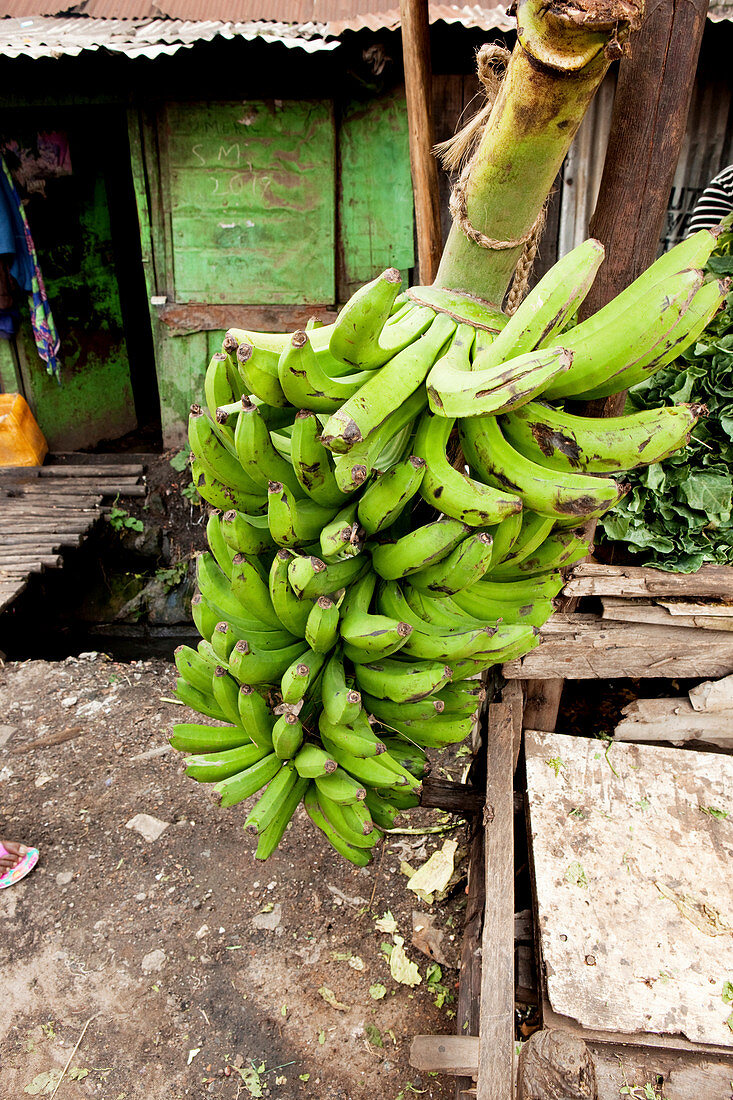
(47, 509)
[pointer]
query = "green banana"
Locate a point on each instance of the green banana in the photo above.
(355, 335)
(541, 315)
(311, 760)
(222, 384)
(644, 335)
(352, 470)
(246, 783)
(383, 500)
(599, 445)
(340, 787)
(560, 549)
(258, 455)
(313, 464)
(254, 716)
(214, 766)
(310, 577)
(462, 697)
(290, 609)
(457, 391)
(246, 534)
(486, 318)
(222, 496)
(370, 637)
(362, 742)
(221, 550)
(264, 666)
(252, 592)
(450, 490)
(307, 385)
(225, 690)
(196, 738)
(402, 681)
(257, 359)
(368, 770)
(384, 815)
(436, 732)
(358, 856)
(341, 703)
(348, 827)
(300, 675)
(419, 548)
(341, 534)
(534, 531)
(367, 410)
(194, 668)
(402, 329)
(267, 805)
(214, 456)
(383, 709)
(287, 736)
(322, 625)
(462, 568)
(294, 522)
(505, 535)
(544, 491)
(204, 616)
(271, 836)
(201, 701)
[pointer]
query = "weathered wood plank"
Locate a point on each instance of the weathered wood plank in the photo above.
(582, 647)
(454, 798)
(616, 609)
(496, 1016)
(674, 720)
(712, 695)
(184, 318)
(116, 470)
(542, 703)
(454, 1054)
(632, 888)
(594, 579)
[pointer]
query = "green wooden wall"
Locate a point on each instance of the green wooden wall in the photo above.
(262, 204)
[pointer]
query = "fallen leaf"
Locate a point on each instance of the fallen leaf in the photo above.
(330, 998)
(387, 923)
(193, 1054)
(402, 970)
(356, 963)
(374, 1035)
(435, 873)
(357, 902)
(377, 991)
(43, 1083)
(427, 938)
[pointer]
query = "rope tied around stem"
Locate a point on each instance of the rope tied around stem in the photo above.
(457, 155)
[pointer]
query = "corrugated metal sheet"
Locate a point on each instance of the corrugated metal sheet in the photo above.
(333, 16)
(58, 37)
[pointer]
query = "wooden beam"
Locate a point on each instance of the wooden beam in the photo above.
(594, 579)
(418, 79)
(457, 1054)
(586, 647)
(496, 1016)
(616, 609)
(655, 83)
(674, 720)
(184, 318)
(454, 798)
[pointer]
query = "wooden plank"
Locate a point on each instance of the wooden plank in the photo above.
(249, 187)
(10, 592)
(376, 222)
(697, 607)
(40, 542)
(415, 22)
(184, 318)
(496, 1026)
(454, 1054)
(542, 703)
(20, 557)
(513, 696)
(620, 610)
(674, 720)
(594, 579)
(583, 647)
(454, 798)
(712, 696)
(633, 891)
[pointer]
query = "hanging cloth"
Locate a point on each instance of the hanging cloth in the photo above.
(16, 241)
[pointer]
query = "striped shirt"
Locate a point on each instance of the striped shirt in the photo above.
(714, 204)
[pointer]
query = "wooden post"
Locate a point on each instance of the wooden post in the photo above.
(418, 77)
(647, 130)
(496, 1015)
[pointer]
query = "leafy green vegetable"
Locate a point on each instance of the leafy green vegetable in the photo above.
(678, 514)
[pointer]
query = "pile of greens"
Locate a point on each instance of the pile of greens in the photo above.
(678, 512)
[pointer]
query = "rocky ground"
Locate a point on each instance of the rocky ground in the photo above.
(179, 965)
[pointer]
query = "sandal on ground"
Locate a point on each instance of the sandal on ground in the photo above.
(21, 869)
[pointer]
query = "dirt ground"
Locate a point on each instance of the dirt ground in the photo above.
(181, 966)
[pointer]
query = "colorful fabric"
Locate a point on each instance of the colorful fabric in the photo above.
(44, 329)
(15, 874)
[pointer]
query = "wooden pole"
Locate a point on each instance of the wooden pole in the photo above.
(418, 80)
(648, 125)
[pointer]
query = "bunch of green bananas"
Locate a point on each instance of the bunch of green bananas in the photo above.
(360, 577)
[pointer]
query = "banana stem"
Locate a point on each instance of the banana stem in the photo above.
(562, 53)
